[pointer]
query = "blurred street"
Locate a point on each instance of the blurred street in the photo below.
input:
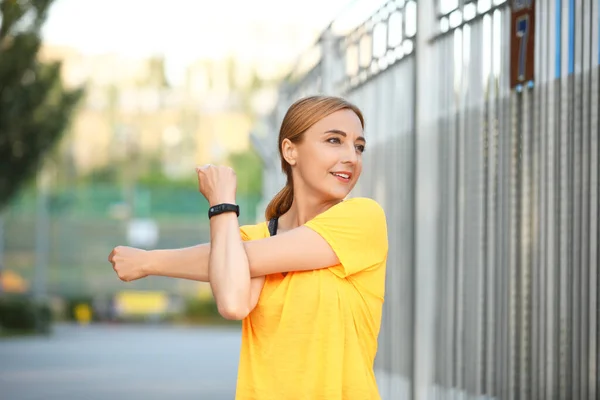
(121, 362)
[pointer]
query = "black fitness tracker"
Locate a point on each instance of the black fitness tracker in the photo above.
(223, 208)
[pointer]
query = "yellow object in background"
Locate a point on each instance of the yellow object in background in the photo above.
(141, 303)
(83, 314)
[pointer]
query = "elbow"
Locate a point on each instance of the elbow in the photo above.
(233, 312)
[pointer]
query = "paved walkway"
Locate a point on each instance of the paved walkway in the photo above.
(121, 362)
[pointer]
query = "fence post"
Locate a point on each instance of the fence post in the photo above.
(328, 54)
(426, 202)
(42, 232)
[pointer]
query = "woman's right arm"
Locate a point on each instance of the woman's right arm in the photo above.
(360, 225)
(193, 262)
(186, 263)
(190, 263)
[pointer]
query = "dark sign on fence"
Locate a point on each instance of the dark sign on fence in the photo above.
(522, 42)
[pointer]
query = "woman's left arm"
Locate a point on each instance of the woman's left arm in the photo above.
(228, 268)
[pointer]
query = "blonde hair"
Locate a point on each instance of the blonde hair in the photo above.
(301, 115)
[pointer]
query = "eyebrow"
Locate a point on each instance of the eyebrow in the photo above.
(344, 134)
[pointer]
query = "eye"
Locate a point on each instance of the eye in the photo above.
(334, 140)
(360, 148)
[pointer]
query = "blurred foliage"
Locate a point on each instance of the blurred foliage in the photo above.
(204, 312)
(92, 201)
(201, 308)
(153, 176)
(248, 167)
(22, 314)
(156, 194)
(34, 105)
(196, 311)
(107, 174)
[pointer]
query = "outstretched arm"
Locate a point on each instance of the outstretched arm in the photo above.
(186, 263)
(296, 250)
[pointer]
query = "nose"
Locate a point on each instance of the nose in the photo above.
(350, 155)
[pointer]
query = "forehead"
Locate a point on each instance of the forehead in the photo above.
(344, 120)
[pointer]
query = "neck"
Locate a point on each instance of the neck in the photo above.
(304, 208)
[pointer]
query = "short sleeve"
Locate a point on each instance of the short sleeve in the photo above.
(356, 230)
(252, 232)
(244, 234)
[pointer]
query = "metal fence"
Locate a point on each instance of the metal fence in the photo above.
(59, 241)
(491, 193)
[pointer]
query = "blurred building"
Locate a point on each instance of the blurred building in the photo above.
(131, 111)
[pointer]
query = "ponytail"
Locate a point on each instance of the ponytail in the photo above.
(281, 203)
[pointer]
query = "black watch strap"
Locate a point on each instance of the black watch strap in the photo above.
(223, 208)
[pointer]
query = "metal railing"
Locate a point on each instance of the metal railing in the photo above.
(491, 194)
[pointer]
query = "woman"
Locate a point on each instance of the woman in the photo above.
(308, 282)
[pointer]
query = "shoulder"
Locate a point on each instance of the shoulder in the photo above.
(356, 230)
(363, 205)
(254, 232)
(359, 213)
(359, 209)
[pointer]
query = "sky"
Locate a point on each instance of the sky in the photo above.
(186, 30)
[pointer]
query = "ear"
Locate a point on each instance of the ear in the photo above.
(289, 151)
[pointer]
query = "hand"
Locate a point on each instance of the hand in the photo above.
(217, 183)
(129, 263)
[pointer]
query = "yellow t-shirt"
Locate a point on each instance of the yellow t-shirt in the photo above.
(313, 334)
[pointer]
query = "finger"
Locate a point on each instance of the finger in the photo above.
(201, 171)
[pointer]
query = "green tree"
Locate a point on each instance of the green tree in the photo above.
(34, 105)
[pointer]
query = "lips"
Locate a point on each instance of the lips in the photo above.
(343, 176)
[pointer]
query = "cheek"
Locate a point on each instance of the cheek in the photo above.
(319, 162)
(311, 168)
